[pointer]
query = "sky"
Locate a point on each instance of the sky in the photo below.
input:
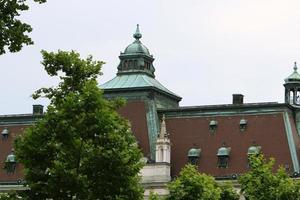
(204, 50)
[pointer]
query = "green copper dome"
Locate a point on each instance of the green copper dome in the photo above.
(137, 47)
(294, 77)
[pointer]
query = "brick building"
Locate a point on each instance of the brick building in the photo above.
(220, 137)
(217, 138)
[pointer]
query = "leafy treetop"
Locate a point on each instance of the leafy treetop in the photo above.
(261, 183)
(193, 185)
(81, 148)
(13, 32)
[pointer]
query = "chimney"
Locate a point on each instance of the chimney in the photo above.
(37, 109)
(237, 99)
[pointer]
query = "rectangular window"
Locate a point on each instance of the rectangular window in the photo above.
(222, 161)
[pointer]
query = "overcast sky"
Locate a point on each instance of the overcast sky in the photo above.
(204, 50)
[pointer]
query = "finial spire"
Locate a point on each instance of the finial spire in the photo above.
(163, 129)
(137, 35)
(295, 66)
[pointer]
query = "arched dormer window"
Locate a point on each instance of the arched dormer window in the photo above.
(254, 150)
(194, 155)
(10, 163)
(243, 124)
(5, 133)
(223, 156)
(213, 124)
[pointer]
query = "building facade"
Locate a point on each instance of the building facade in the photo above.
(216, 138)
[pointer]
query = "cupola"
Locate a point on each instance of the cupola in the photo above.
(136, 57)
(292, 87)
(136, 71)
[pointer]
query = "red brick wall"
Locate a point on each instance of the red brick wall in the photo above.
(267, 130)
(6, 147)
(135, 112)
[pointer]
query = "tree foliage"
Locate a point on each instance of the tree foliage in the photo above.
(193, 185)
(81, 148)
(260, 183)
(11, 195)
(13, 32)
(227, 192)
(153, 196)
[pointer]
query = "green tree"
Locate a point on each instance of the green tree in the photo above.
(153, 196)
(227, 192)
(81, 148)
(261, 183)
(192, 185)
(12, 195)
(13, 32)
